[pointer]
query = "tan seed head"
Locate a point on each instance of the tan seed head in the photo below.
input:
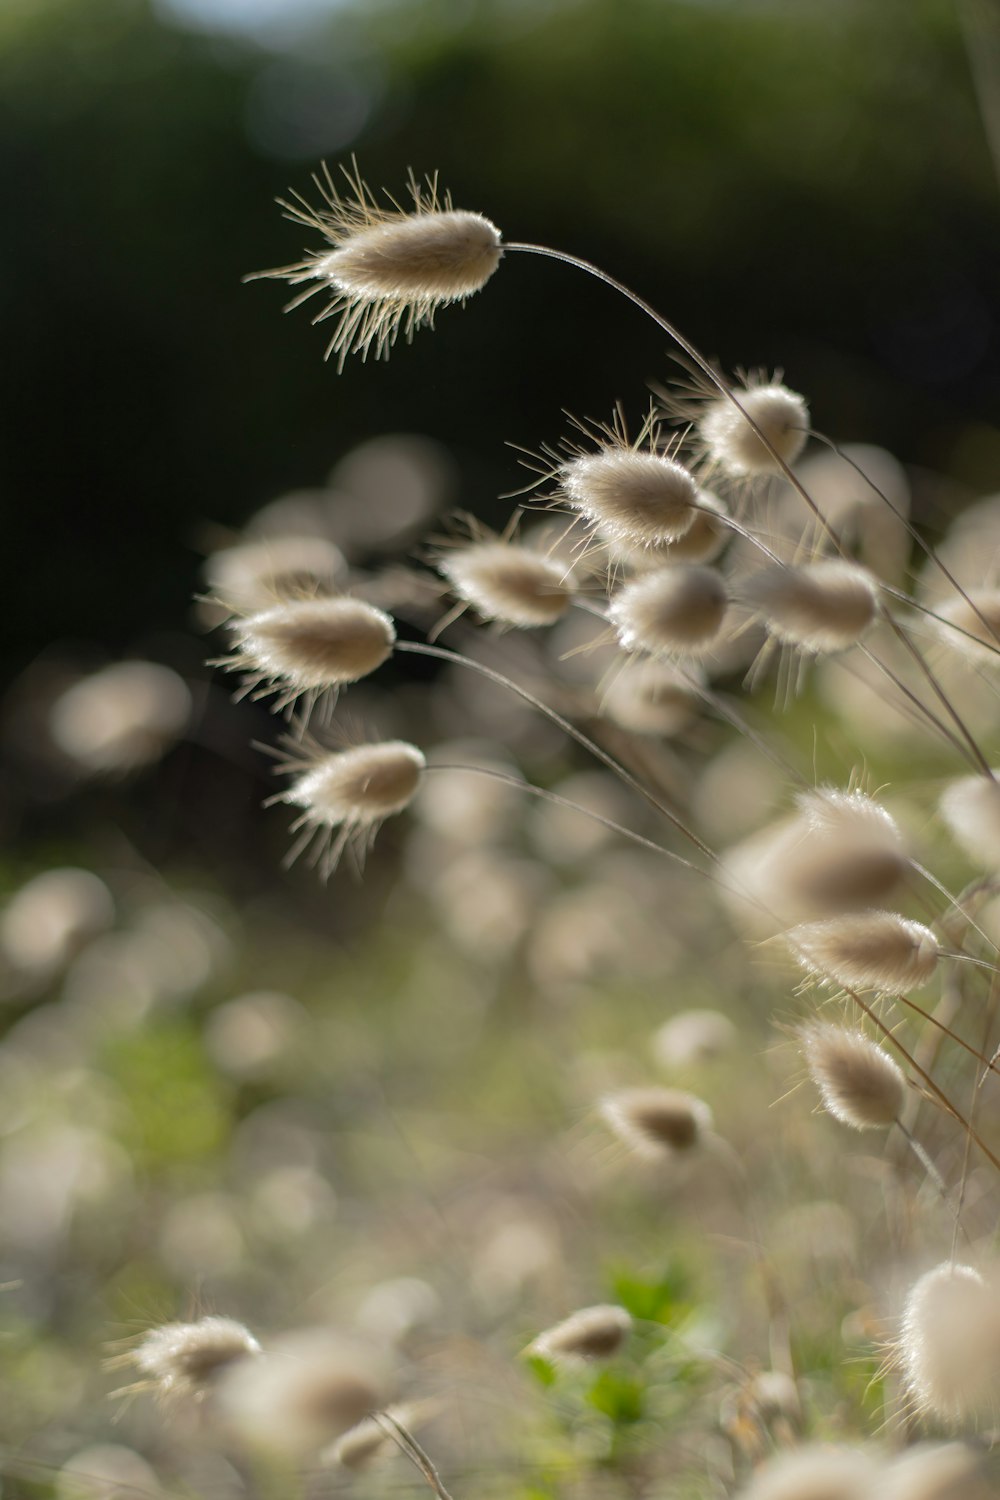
(874, 950)
(592, 1333)
(513, 584)
(657, 1122)
(820, 607)
(859, 1083)
(674, 611)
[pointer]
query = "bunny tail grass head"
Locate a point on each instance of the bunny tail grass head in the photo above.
(872, 950)
(971, 809)
(816, 1472)
(307, 646)
(592, 1333)
(731, 444)
(346, 795)
(820, 607)
(386, 269)
(657, 1123)
(676, 611)
(509, 583)
(859, 1083)
(184, 1360)
(948, 1349)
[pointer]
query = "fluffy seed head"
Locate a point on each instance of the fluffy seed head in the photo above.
(347, 794)
(657, 1122)
(307, 645)
(184, 1359)
(873, 950)
(842, 851)
(705, 537)
(513, 584)
(820, 607)
(50, 918)
(978, 614)
(252, 576)
(815, 1473)
(674, 611)
(858, 1082)
(641, 499)
(384, 269)
(949, 1345)
(734, 447)
(971, 809)
(591, 1333)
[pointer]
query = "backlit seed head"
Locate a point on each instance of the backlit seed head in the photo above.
(253, 576)
(949, 1345)
(704, 538)
(308, 645)
(971, 809)
(384, 269)
(977, 613)
(874, 950)
(185, 1359)
(820, 607)
(842, 851)
(734, 447)
(657, 1122)
(592, 1333)
(859, 1083)
(675, 611)
(638, 498)
(816, 1472)
(346, 795)
(510, 583)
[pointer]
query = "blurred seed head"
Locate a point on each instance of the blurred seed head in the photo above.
(509, 583)
(819, 607)
(949, 1346)
(592, 1333)
(649, 696)
(841, 851)
(977, 614)
(874, 950)
(121, 718)
(859, 1083)
(971, 809)
(256, 575)
(657, 1123)
(308, 1390)
(187, 1359)
(674, 611)
(936, 1471)
(693, 1036)
(368, 1441)
(52, 917)
(106, 1471)
(816, 1472)
(731, 443)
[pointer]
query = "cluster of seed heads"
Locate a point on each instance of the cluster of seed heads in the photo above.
(667, 544)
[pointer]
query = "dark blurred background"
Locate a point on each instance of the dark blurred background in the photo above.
(799, 184)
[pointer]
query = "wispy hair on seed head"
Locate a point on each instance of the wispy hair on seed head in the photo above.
(385, 270)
